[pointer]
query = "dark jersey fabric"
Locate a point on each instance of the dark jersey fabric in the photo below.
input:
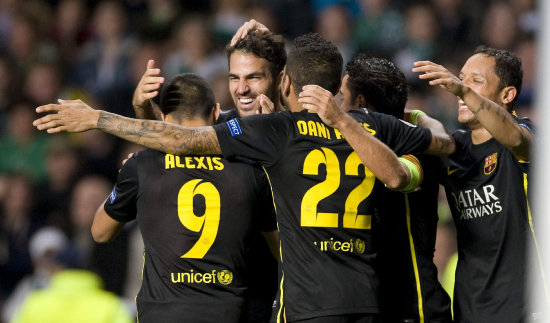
(410, 290)
(227, 115)
(324, 202)
(197, 216)
(487, 191)
(263, 267)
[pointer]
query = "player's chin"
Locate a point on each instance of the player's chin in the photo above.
(465, 117)
(247, 109)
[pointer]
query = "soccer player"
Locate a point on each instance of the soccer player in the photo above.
(410, 291)
(197, 216)
(256, 62)
(486, 182)
(323, 194)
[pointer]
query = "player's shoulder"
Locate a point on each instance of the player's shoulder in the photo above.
(246, 169)
(226, 115)
(461, 135)
(146, 153)
(525, 122)
(364, 114)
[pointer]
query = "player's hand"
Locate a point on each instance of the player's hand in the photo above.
(126, 159)
(148, 86)
(68, 115)
(439, 75)
(266, 105)
(321, 101)
(247, 27)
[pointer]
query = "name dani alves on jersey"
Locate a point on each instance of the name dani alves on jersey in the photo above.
(321, 130)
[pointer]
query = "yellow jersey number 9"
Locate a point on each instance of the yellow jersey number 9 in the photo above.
(208, 223)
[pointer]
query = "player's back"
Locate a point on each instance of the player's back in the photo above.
(323, 196)
(196, 215)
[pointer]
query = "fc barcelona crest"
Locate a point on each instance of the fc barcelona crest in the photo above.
(490, 164)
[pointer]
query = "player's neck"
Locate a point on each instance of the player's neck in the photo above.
(293, 104)
(194, 122)
(480, 135)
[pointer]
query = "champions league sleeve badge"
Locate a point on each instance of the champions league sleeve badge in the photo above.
(490, 164)
(112, 196)
(234, 127)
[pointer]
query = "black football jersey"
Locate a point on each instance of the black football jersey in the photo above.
(410, 290)
(324, 203)
(262, 266)
(487, 190)
(197, 216)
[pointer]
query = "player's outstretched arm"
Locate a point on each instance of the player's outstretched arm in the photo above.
(104, 228)
(77, 116)
(442, 143)
(148, 88)
(493, 117)
(374, 154)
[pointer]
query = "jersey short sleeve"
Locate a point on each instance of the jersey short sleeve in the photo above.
(121, 203)
(526, 123)
(403, 137)
(260, 137)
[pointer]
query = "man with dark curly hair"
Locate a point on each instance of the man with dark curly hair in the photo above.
(410, 290)
(256, 64)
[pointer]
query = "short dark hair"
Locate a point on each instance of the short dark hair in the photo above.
(186, 96)
(314, 60)
(266, 45)
(380, 81)
(507, 68)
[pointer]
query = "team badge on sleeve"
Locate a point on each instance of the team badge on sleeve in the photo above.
(490, 164)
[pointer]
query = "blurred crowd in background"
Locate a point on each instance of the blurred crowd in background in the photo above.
(97, 51)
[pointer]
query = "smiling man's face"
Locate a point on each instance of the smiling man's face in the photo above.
(249, 76)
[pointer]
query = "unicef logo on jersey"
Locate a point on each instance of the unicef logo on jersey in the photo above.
(225, 277)
(359, 246)
(351, 245)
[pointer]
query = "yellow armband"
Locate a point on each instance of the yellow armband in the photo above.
(415, 169)
(414, 114)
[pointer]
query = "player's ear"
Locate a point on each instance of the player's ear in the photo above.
(286, 85)
(508, 94)
(215, 113)
(278, 79)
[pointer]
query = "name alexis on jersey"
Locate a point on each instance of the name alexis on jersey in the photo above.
(193, 162)
(477, 203)
(318, 129)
